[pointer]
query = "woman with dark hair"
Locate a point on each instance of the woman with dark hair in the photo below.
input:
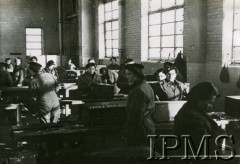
(107, 76)
(43, 87)
(9, 66)
(157, 87)
(171, 89)
(192, 118)
(140, 106)
(113, 65)
(50, 68)
(69, 65)
(18, 72)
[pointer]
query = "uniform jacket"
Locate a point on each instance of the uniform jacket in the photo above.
(86, 80)
(140, 106)
(43, 86)
(18, 75)
(193, 122)
(167, 91)
(5, 78)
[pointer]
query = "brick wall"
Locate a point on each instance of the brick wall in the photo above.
(15, 16)
(214, 54)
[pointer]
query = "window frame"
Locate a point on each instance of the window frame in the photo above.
(161, 47)
(27, 42)
(112, 20)
(234, 61)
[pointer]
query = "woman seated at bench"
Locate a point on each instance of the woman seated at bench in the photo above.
(168, 89)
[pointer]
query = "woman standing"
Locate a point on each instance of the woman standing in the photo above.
(43, 87)
(140, 106)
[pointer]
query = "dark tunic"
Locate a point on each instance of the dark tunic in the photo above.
(86, 80)
(167, 91)
(113, 66)
(18, 75)
(140, 106)
(5, 78)
(122, 82)
(193, 122)
(43, 86)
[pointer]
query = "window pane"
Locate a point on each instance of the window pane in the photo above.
(109, 35)
(154, 52)
(108, 7)
(154, 18)
(34, 45)
(154, 42)
(167, 53)
(154, 30)
(179, 14)
(115, 25)
(115, 43)
(179, 41)
(179, 2)
(108, 16)
(236, 20)
(237, 5)
(236, 38)
(154, 5)
(168, 16)
(168, 41)
(115, 14)
(34, 52)
(34, 38)
(168, 29)
(179, 28)
(236, 53)
(168, 3)
(115, 34)
(108, 26)
(115, 52)
(109, 43)
(33, 31)
(114, 5)
(108, 52)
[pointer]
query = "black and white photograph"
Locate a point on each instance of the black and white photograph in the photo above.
(119, 81)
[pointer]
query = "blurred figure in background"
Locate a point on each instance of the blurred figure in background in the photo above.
(91, 60)
(9, 66)
(28, 77)
(69, 65)
(50, 68)
(5, 78)
(90, 77)
(158, 87)
(18, 72)
(113, 65)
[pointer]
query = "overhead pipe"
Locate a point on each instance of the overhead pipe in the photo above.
(60, 27)
(121, 30)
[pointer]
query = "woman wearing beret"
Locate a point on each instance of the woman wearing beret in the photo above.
(43, 87)
(140, 106)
